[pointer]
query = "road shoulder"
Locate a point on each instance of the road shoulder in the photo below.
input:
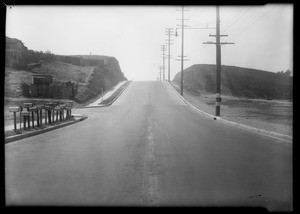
(206, 111)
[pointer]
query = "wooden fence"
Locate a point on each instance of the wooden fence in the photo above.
(65, 91)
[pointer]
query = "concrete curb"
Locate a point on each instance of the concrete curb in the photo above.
(238, 125)
(108, 104)
(47, 129)
(119, 94)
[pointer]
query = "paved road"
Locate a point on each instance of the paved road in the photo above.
(149, 148)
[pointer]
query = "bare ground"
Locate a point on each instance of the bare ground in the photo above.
(271, 115)
(61, 72)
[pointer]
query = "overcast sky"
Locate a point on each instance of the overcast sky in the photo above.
(263, 35)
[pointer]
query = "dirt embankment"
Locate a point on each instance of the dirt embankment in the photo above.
(103, 77)
(93, 74)
(238, 82)
(90, 78)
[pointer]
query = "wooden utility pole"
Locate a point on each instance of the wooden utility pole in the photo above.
(182, 45)
(163, 57)
(182, 40)
(218, 61)
(160, 72)
(169, 33)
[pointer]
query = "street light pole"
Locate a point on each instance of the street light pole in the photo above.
(182, 43)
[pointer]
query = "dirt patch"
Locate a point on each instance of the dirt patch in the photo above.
(271, 115)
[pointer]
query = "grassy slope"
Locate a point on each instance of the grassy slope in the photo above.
(65, 72)
(87, 77)
(237, 81)
(13, 80)
(102, 77)
(60, 71)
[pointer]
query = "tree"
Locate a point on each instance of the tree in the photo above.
(287, 73)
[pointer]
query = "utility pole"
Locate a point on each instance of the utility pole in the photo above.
(163, 57)
(169, 32)
(218, 61)
(160, 67)
(182, 44)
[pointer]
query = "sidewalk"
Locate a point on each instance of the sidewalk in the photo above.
(11, 127)
(28, 133)
(106, 95)
(244, 113)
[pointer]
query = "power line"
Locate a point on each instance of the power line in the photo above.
(239, 10)
(245, 11)
(238, 15)
(234, 20)
(248, 26)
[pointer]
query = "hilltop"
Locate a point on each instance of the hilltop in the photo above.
(77, 77)
(238, 82)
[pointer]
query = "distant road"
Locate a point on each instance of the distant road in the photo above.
(149, 148)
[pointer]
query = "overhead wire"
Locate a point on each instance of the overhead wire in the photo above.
(237, 19)
(203, 48)
(238, 15)
(238, 12)
(248, 26)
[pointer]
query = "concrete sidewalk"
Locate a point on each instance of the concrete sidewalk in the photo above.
(109, 94)
(106, 95)
(11, 127)
(28, 133)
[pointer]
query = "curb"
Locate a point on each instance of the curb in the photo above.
(108, 104)
(238, 125)
(47, 129)
(119, 94)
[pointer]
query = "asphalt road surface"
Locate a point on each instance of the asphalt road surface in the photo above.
(149, 149)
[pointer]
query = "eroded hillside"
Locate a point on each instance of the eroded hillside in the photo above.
(238, 82)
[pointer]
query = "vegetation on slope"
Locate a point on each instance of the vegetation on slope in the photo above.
(102, 72)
